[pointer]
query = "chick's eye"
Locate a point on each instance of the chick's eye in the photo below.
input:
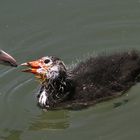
(46, 61)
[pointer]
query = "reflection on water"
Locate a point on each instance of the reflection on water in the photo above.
(51, 120)
(10, 135)
(117, 104)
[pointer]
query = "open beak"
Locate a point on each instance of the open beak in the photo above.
(34, 67)
(37, 68)
(7, 59)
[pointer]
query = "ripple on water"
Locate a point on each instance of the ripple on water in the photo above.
(69, 30)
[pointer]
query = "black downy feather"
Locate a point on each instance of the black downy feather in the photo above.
(93, 80)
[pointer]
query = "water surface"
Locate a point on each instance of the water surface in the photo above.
(71, 30)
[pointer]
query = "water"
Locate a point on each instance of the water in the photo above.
(70, 29)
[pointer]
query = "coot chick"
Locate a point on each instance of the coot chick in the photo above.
(93, 80)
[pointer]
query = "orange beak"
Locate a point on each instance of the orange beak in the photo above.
(36, 67)
(33, 67)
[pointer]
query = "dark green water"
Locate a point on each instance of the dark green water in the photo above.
(69, 29)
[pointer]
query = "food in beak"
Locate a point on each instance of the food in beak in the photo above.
(7, 59)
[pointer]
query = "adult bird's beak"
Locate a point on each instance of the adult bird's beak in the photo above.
(7, 59)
